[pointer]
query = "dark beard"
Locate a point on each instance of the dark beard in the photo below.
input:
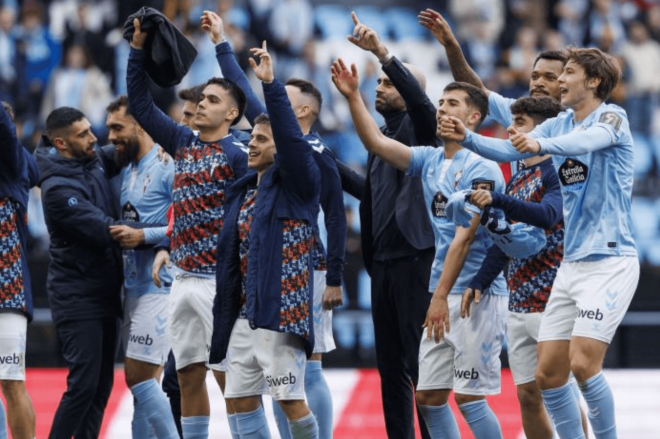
(128, 155)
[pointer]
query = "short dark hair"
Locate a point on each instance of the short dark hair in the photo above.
(262, 119)
(597, 64)
(552, 55)
(192, 94)
(9, 110)
(538, 108)
(61, 118)
(309, 89)
(234, 91)
(121, 101)
(476, 97)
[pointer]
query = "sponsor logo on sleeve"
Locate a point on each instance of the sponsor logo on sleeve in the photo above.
(611, 118)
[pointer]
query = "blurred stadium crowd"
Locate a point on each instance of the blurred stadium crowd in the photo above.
(72, 53)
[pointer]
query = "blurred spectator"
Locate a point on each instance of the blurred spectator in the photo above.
(606, 29)
(79, 84)
(642, 59)
(9, 74)
(291, 25)
(571, 16)
(42, 55)
(522, 54)
(354, 263)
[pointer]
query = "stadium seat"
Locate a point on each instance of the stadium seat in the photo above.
(364, 290)
(404, 24)
(344, 328)
(333, 21)
(239, 18)
(643, 159)
(366, 331)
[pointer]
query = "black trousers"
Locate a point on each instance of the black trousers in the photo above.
(89, 348)
(173, 391)
(399, 302)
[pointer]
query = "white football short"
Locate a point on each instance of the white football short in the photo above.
(261, 361)
(523, 335)
(468, 359)
(191, 319)
(13, 333)
(590, 299)
(324, 341)
(144, 328)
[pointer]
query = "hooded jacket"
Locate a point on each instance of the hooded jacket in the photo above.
(289, 189)
(169, 53)
(85, 273)
(18, 173)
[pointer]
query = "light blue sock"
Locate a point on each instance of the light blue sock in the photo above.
(305, 427)
(195, 427)
(564, 411)
(600, 401)
(440, 421)
(319, 398)
(481, 419)
(253, 425)
(139, 425)
(3, 422)
(233, 427)
(281, 420)
(155, 408)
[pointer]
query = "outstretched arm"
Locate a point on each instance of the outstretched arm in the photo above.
(11, 152)
(347, 82)
(418, 105)
(159, 126)
(212, 24)
(460, 69)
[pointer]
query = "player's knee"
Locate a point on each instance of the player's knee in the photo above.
(529, 396)
(583, 368)
(431, 397)
(463, 399)
(192, 374)
(12, 389)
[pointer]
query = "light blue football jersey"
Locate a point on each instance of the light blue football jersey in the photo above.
(499, 109)
(594, 162)
(441, 177)
(146, 195)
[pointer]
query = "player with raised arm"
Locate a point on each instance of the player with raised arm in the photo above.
(465, 359)
(533, 196)
(592, 151)
(146, 195)
(263, 321)
(18, 173)
(306, 102)
(206, 163)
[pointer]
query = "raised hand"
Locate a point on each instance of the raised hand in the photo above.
(139, 37)
(522, 142)
(347, 82)
(263, 70)
(434, 22)
(366, 38)
(452, 129)
(212, 24)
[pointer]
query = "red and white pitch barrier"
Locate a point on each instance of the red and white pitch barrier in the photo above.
(358, 410)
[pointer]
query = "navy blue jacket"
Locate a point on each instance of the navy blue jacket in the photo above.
(18, 173)
(288, 190)
(416, 128)
(332, 200)
(85, 273)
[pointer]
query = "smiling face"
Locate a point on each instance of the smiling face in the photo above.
(453, 103)
(574, 85)
(215, 108)
(261, 149)
(122, 132)
(77, 140)
(543, 81)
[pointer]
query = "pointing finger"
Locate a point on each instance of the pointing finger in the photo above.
(354, 16)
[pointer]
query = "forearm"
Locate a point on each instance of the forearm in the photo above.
(232, 71)
(577, 142)
(154, 235)
(454, 262)
(351, 182)
(492, 266)
(545, 214)
(460, 69)
(499, 150)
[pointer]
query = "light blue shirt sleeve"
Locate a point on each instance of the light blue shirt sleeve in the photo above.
(153, 235)
(418, 157)
(498, 150)
(579, 142)
(499, 109)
